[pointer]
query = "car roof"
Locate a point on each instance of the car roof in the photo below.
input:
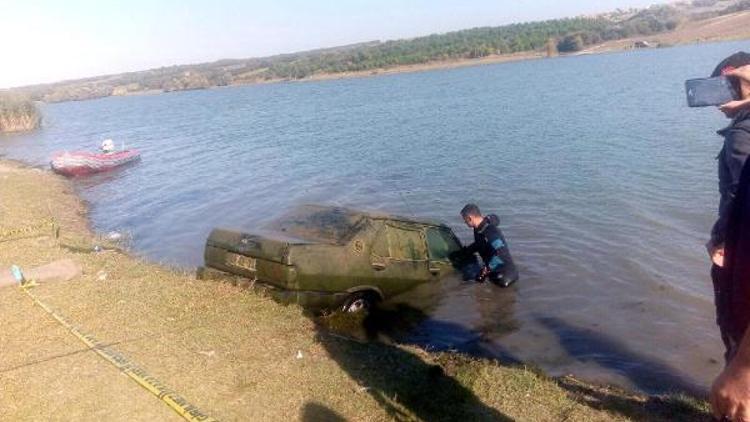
(333, 224)
(406, 220)
(373, 215)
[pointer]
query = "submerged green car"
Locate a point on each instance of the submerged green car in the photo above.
(331, 258)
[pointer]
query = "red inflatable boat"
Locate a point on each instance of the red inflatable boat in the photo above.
(80, 162)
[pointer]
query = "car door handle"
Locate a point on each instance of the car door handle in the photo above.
(378, 266)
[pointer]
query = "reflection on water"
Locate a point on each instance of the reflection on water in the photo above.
(604, 180)
(92, 181)
(460, 313)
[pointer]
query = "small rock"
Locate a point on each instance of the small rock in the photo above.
(101, 276)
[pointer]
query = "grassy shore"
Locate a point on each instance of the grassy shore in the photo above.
(236, 355)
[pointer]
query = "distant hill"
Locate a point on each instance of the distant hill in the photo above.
(565, 36)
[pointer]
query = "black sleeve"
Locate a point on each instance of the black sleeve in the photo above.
(733, 156)
(497, 244)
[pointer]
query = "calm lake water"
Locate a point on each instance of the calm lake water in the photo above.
(605, 182)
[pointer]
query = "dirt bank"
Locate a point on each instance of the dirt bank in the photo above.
(731, 27)
(235, 355)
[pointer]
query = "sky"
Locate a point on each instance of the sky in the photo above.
(47, 40)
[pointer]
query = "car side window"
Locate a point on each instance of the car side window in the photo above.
(406, 245)
(441, 244)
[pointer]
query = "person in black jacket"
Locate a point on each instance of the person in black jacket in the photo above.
(731, 159)
(491, 246)
(730, 250)
(730, 392)
(734, 151)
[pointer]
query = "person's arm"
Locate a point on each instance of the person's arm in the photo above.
(495, 263)
(496, 243)
(736, 151)
(733, 107)
(730, 392)
(466, 253)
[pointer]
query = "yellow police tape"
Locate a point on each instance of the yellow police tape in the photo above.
(135, 372)
(6, 234)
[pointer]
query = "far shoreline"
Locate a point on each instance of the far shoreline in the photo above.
(620, 46)
(688, 29)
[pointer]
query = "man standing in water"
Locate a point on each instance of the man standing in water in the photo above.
(729, 249)
(490, 244)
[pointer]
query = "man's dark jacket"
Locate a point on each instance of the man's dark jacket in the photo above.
(490, 243)
(736, 303)
(731, 159)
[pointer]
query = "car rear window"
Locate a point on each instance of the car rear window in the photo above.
(319, 224)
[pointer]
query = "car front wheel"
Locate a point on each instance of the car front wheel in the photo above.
(359, 302)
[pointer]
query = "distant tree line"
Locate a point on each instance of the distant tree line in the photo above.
(737, 7)
(567, 35)
(572, 34)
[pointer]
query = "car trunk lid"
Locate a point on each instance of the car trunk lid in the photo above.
(250, 245)
(252, 256)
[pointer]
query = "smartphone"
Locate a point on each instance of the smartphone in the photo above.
(707, 92)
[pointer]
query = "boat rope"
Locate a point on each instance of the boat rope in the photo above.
(136, 372)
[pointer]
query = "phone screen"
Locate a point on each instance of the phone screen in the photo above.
(707, 92)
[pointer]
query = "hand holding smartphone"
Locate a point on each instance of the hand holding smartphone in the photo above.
(705, 92)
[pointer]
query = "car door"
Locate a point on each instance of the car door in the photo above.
(441, 244)
(399, 258)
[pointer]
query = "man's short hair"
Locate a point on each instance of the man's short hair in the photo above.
(470, 209)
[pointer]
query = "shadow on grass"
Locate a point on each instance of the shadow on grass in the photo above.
(400, 381)
(653, 408)
(316, 412)
(407, 386)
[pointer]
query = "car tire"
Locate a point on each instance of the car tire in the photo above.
(360, 302)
